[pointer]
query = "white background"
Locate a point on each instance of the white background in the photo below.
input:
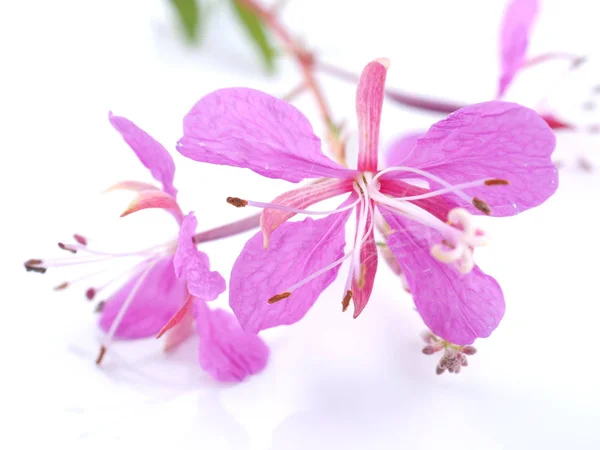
(332, 382)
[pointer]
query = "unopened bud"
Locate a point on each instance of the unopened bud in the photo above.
(469, 350)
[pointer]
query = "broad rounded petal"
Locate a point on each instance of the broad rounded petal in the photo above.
(296, 250)
(243, 127)
(361, 290)
(300, 198)
(194, 266)
(369, 102)
(459, 308)
(401, 147)
(150, 152)
(226, 352)
(156, 301)
(492, 140)
(153, 199)
(514, 39)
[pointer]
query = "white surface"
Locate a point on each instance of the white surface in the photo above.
(332, 382)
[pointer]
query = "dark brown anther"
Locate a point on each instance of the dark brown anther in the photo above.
(101, 355)
(346, 301)
(34, 265)
(482, 206)
(278, 297)
(61, 286)
(64, 247)
(99, 307)
(80, 239)
(496, 182)
(90, 293)
(237, 202)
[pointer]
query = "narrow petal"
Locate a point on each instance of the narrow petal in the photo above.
(514, 39)
(300, 198)
(458, 308)
(492, 140)
(226, 352)
(194, 266)
(247, 128)
(369, 101)
(401, 147)
(296, 250)
(180, 332)
(157, 299)
(361, 289)
(150, 152)
(153, 199)
(135, 186)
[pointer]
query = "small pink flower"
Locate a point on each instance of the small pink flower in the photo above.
(169, 278)
(491, 158)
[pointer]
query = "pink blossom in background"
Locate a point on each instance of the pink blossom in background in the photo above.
(491, 158)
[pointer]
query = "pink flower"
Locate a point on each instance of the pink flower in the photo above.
(172, 283)
(492, 157)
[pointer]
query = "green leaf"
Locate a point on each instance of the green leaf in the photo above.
(255, 28)
(189, 17)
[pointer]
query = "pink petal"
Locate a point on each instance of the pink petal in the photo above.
(296, 250)
(492, 140)
(225, 351)
(458, 308)
(136, 186)
(153, 199)
(369, 101)
(150, 152)
(155, 302)
(514, 39)
(177, 318)
(401, 147)
(243, 127)
(180, 332)
(361, 290)
(300, 198)
(193, 265)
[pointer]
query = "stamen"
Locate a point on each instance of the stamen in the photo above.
(346, 300)
(278, 297)
(80, 239)
(301, 211)
(90, 293)
(237, 202)
(66, 247)
(482, 206)
(496, 182)
(121, 314)
(35, 265)
(319, 272)
(99, 307)
(61, 286)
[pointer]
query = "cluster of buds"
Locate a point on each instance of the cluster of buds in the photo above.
(454, 357)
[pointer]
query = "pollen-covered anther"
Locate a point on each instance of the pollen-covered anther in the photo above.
(35, 265)
(482, 206)
(80, 239)
(237, 202)
(61, 286)
(496, 182)
(66, 247)
(278, 297)
(346, 300)
(101, 355)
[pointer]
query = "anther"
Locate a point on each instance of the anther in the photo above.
(237, 202)
(99, 307)
(61, 286)
(496, 182)
(34, 265)
(67, 248)
(346, 301)
(101, 355)
(482, 206)
(278, 297)
(90, 293)
(80, 239)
